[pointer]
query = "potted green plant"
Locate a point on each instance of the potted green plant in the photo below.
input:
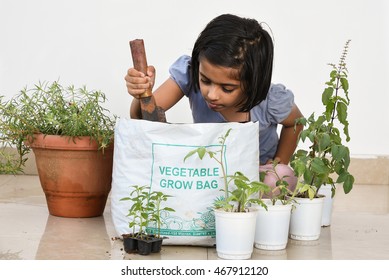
(156, 198)
(233, 209)
(139, 216)
(327, 159)
(145, 220)
(71, 135)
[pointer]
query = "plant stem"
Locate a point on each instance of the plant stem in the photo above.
(223, 170)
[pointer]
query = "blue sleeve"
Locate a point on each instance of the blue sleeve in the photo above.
(275, 108)
(180, 73)
(279, 103)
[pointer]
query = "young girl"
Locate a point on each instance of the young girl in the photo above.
(228, 79)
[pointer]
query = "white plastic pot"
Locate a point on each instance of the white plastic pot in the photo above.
(235, 234)
(327, 206)
(305, 220)
(272, 226)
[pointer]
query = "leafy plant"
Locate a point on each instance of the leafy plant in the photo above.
(216, 155)
(155, 200)
(51, 109)
(281, 191)
(327, 160)
(139, 211)
(243, 193)
(146, 207)
(238, 199)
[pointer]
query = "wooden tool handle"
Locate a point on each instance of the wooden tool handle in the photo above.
(149, 109)
(139, 60)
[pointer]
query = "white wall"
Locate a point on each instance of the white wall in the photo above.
(86, 42)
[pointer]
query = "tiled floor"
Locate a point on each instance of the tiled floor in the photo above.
(359, 230)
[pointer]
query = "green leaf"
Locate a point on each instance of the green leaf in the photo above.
(348, 184)
(327, 94)
(211, 154)
(201, 152)
(345, 130)
(311, 136)
(346, 159)
(341, 109)
(308, 175)
(299, 168)
(304, 134)
(344, 83)
(320, 121)
(191, 153)
(318, 166)
(342, 176)
(227, 133)
(302, 121)
(333, 74)
(240, 184)
(339, 152)
(324, 141)
(168, 209)
(329, 109)
(311, 118)
(311, 193)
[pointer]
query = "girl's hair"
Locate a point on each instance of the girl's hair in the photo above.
(239, 43)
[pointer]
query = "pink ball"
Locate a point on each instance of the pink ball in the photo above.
(282, 170)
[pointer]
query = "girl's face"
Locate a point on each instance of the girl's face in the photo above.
(219, 86)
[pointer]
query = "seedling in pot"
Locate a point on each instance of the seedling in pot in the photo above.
(139, 211)
(238, 199)
(155, 199)
(146, 207)
(281, 191)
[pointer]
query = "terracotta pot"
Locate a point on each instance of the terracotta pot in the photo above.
(75, 177)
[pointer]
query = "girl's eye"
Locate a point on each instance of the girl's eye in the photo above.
(227, 90)
(206, 82)
(224, 89)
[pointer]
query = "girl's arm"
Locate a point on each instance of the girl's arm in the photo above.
(288, 137)
(166, 96)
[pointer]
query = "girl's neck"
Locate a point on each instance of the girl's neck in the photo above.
(233, 116)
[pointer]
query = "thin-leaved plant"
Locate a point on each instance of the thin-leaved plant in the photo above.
(51, 109)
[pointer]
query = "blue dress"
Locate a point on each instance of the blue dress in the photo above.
(269, 113)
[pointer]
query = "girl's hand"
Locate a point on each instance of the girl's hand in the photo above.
(137, 82)
(276, 160)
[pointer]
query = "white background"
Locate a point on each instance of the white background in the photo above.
(85, 42)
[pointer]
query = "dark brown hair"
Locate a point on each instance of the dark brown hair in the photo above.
(240, 43)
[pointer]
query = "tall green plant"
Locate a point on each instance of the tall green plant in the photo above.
(327, 160)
